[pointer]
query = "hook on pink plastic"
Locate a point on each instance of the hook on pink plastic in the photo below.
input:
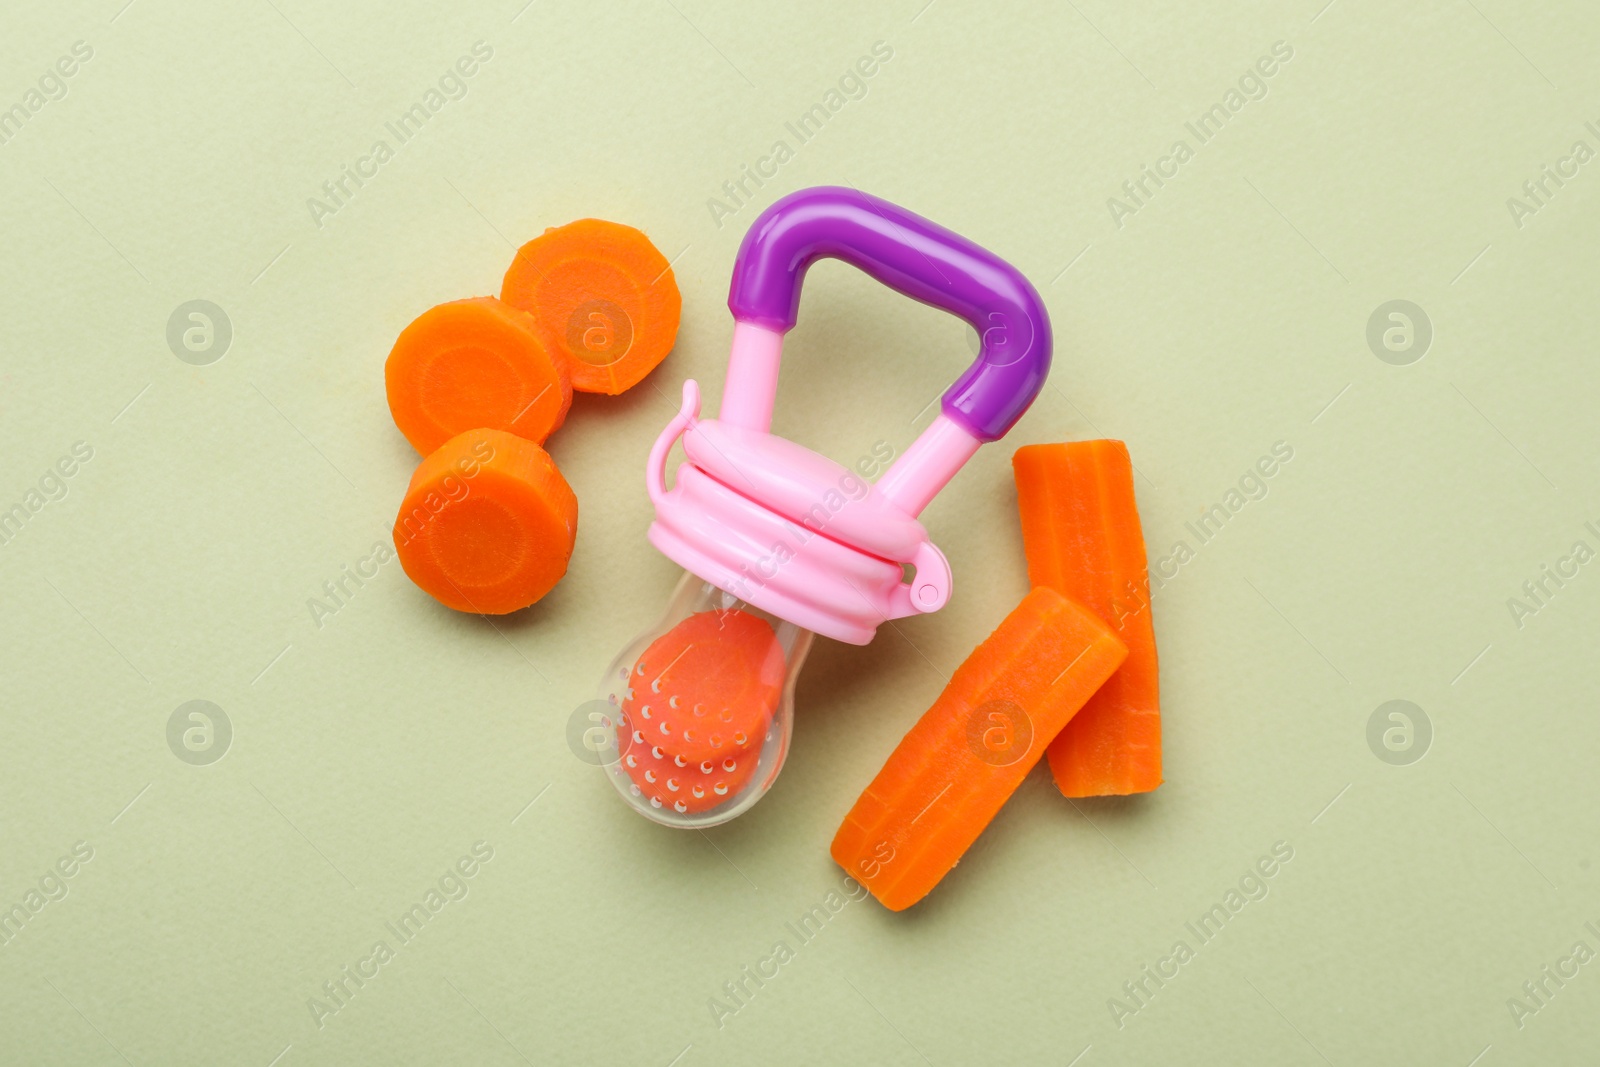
(929, 589)
(655, 471)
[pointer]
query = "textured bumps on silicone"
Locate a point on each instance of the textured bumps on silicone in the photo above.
(707, 687)
(683, 785)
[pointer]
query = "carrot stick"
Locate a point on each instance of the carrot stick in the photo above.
(605, 300)
(965, 757)
(487, 524)
(1081, 533)
(474, 363)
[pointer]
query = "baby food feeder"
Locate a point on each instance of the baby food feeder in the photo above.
(779, 542)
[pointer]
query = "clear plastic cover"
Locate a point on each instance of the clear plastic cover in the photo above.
(699, 708)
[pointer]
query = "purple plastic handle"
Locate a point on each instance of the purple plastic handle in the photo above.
(916, 257)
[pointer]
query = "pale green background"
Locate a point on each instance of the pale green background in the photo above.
(1221, 318)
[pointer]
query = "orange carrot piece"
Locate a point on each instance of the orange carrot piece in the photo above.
(605, 300)
(965, 757)
(708, 686)
(699, 707)
(1081, 533)
(487, 524)
(475, 363)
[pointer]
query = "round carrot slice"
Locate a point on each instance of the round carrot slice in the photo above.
(604, 298)
(487, 524)
(706, 688)
(475, 363)
(684, 785)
